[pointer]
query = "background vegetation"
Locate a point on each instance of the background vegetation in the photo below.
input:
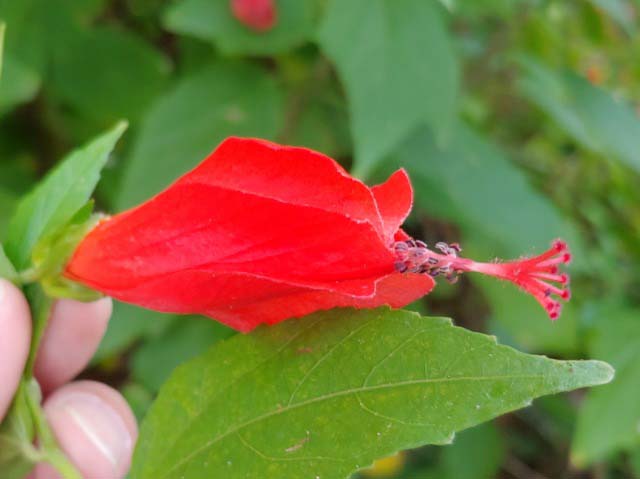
(518, 121)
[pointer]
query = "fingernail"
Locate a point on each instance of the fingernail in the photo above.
(81, 417)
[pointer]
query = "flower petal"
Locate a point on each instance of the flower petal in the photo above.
(209, 228)
(244, 301)
(292, 175)
(394, 198)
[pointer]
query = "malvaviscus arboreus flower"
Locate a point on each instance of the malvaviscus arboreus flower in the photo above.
(258, 15)
(259, 233)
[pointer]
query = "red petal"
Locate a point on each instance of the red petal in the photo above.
(288, 174)
(197, 226)
(401, 235)
(394, 198)
(244, 301)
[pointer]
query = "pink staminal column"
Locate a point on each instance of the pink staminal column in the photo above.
(538, 276)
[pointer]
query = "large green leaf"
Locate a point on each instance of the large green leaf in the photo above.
(188, 123)
(57, 198)
(288, 401)
(589, 114)
(398, 66)
(472, 183)
(211, 20)
(36, 29)
(131, 74)
(609, 418)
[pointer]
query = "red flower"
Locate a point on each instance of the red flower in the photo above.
(259, 15)
(259, 233)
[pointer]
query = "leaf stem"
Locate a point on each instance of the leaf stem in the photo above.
(49, 449)
(40, 305)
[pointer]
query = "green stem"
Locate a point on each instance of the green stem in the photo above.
(40, 305)
(49, 449)
(26, 420)
(40, 310)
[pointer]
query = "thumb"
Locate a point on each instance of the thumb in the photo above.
(94, 427)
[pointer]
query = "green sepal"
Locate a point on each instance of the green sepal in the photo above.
(53, 252)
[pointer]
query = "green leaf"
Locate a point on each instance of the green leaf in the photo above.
(473, 184)
(399, 68)
(37, 29)
(590, 115)
(608, 420)
(56, 199)
(185, 125)
(288, 401)
(132, 74)
(212, 20)
(189, 336)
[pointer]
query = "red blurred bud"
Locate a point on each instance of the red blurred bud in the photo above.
(258, 15)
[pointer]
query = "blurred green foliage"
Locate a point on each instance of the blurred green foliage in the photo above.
(518, 121)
